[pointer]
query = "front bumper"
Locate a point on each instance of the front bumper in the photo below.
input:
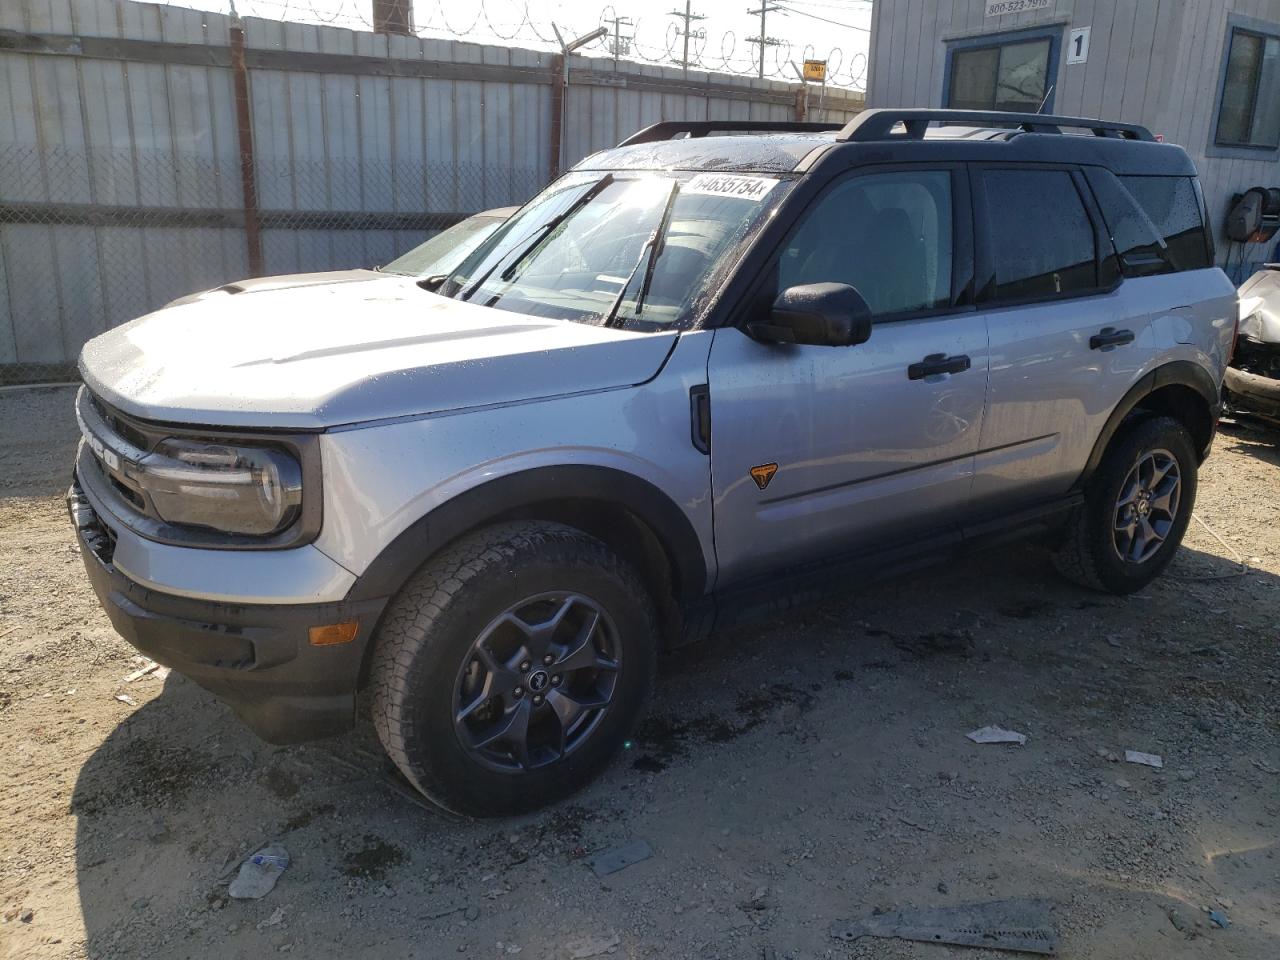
(255, 657)
(1253, 393)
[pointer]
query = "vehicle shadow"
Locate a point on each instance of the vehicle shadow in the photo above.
(819, 754)
(1253, 437)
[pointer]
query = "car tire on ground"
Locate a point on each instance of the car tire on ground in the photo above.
(512, 666)
(1136, 509)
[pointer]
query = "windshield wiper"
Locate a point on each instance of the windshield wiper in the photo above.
(543, 232)
(648, 259)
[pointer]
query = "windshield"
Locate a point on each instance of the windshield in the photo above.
(634, 249)
(448, 248)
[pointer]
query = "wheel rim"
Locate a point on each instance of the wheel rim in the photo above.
(536, 682)
(1147, 506)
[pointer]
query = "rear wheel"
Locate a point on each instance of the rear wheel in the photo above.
(511, 667)
(1136, 510)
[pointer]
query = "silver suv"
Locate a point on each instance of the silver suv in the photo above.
(700, 375)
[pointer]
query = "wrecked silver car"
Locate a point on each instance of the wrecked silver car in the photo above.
(1252, 384)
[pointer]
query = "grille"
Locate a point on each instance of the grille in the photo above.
(121, 437)
(119, 425)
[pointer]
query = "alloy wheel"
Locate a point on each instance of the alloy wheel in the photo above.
(1147, 506)
(536, 682)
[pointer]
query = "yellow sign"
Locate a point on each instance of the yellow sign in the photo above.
(815, 70)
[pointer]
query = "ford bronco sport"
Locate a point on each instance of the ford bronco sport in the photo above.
(704, 373)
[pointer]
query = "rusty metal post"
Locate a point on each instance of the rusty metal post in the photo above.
(557, 111)
(244, 135)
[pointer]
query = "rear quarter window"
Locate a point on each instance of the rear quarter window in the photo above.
(1138, 242)
(1173, 207)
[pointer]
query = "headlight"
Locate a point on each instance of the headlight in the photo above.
(234, 489)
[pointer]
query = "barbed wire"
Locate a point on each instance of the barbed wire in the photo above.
(516, 25)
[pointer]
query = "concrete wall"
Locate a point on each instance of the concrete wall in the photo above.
(1154, 62)
(120, 181)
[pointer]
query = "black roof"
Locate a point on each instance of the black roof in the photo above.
(894, 136)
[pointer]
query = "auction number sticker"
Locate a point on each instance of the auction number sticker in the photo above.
(998, 8)
(731, 185)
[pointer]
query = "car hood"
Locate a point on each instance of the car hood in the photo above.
(282, 281)
(321, 355)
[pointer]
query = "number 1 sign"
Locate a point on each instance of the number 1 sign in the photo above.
(1078, 45)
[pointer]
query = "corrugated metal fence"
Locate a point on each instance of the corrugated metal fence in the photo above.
(122, 184)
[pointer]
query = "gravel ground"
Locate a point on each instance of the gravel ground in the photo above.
(802, 771)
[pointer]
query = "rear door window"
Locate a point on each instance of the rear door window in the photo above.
(1174, 209)
(1042, 239)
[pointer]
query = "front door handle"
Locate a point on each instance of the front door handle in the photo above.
(936, 363)
(1110, 337)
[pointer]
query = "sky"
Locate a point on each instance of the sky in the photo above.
(832, 30)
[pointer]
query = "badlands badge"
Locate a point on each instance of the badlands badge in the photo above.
(763, 474)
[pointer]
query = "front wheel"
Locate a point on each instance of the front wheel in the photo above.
(1136, 510)
(511, 667)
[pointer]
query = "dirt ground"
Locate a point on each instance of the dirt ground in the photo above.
(802, 771)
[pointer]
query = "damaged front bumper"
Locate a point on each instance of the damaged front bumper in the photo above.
(1252, 382)
(1252, 393)
(255, 657)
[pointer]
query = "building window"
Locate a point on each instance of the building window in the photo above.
(1249, 110)
(1013, 72)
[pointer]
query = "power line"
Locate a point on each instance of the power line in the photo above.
(832, 4)
(516, 23)
(814, 16)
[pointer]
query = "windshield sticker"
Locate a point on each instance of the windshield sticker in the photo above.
(731, 185)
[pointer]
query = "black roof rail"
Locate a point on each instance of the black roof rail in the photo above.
(878, 124)
(670, 129)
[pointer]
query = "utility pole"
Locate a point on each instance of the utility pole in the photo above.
(688, 17)
(764, 41)
(618, 38)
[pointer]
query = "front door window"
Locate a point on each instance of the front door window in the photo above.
(888, 235)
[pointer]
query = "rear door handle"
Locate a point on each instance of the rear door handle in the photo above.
(936, 363)
(1110, 337)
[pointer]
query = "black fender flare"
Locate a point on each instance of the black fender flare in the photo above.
(1176, 372)
(505, 496)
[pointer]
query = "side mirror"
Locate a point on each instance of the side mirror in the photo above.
(819, 314)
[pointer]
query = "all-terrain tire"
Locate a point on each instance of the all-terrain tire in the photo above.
(426, 639)
(1088, 554)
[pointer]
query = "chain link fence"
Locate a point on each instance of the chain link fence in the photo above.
(92, 238)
